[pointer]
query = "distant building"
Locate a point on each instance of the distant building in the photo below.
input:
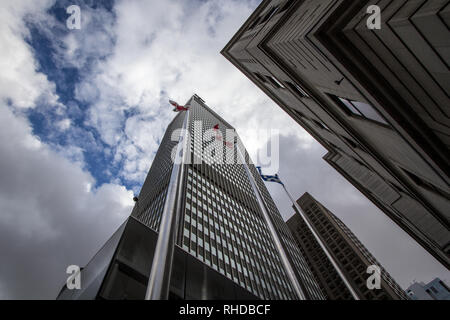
(350, 254)
(224, 248)
(377, 100)
(434, 290)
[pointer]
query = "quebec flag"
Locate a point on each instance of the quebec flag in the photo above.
(274, 178)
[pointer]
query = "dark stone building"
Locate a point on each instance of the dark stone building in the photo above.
(350, 254)
(376, 99)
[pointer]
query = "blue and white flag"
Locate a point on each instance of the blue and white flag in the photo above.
(274, 178)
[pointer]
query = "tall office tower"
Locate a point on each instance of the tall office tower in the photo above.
(433, 290)
(376, 99)
(224, 248)
(350, 254)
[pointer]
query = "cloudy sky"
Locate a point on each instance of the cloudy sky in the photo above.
(82, 113)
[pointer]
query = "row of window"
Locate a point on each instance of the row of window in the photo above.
(211, 211)
(353, 265)
(350, 107)
(277, 84)
(270, 13)
(299, 261)
(224, 234)
(203, 150)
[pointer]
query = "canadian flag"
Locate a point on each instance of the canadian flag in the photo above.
(178, 108)
(219, 137)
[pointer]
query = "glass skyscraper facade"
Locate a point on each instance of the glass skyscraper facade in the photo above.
(221, 225)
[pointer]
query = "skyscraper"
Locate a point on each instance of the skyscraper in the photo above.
(433, 290)
(375, 95)
(225, 247)
(350, 254)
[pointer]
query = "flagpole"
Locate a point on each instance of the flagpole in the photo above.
(322, 245)
(159, 280)
(284, 258)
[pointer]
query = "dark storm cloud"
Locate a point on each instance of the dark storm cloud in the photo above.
(49, 217)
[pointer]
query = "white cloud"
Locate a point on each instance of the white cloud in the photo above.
(19, 81)
(169, 48)
(63, 124)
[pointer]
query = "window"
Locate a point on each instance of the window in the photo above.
(425, 184)
(297, 89)
(320, 124)
(443, 285)
(351, 142)
(269, 14)
(274, 81)
(286, 5)
(260, 77)
(356, 108)
(351, 109)
(368, 111)
(255, 23)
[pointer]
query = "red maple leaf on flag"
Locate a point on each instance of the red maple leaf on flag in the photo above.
(219, 137)
(178, 108)
(229, 144)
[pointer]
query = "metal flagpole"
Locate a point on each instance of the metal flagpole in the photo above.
(322, 245)
(284, 259)
(159, 279)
